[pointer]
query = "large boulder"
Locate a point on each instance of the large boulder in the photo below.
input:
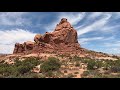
(38, 38)
(19, 48)
(47, 37)
(29, 45)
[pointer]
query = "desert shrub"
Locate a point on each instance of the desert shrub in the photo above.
(34, 75)
(65, 71)
(98, 75)
(107, 72)
(114, 66)
(26, 65)
(99, 64)
(91, 74)
(2, 61)
(28, 75)
(110, 62)
(19, 68)
(52, 64)
(53, 74)
(62, 56)
(85, 73)
(76, 58)
(76, 72)
(115, 69)
(70, 57)
(41, 75)
(23, 69)
(117, 63)
(31, 61)
(94, 63)
(70, 75)
(77, 64)
(57, 74)
(91, 65)
(85, 60)
(6, 69)
(49, 74)
(106, 66)
(110, 76)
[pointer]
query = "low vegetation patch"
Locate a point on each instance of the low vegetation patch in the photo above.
(52, 68)
(20, 68)
(52, 64)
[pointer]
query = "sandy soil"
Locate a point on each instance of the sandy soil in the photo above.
(106, 58)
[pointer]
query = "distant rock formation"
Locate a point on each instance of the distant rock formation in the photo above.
(62, 40)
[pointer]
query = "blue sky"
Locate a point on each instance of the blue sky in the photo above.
(98, 31)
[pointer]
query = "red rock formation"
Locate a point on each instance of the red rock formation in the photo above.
(38, 38)
(62, 40)
(28, 45)
(19, 48)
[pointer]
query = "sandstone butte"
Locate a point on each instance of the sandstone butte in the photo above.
(62, 40)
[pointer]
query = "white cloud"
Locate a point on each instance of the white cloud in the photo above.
(94, 26)
(109, 38)
(110, 28)
(6, 49)
(112, 47)
(9, 37)
(112, 44)
(85, 40)
(13, 18)
(116, 15)
(95, 14)
(113, 50)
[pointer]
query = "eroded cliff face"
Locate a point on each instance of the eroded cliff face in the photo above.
(62, 40)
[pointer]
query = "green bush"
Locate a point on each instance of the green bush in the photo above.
(117, 63)
(76, 72)
(76, 58)
(106, 66)
(49, 74)
(85, 60)
(85, 73)
(23, 69)
(70, 75)
(28, 75)
(62, 56)
(91, 74)
(91, 65)
(52, 64)
(115, 69)
(19, 68)
(26, 65)
(111, 63)
(94, 63)
(99, 64)
(77, 64)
